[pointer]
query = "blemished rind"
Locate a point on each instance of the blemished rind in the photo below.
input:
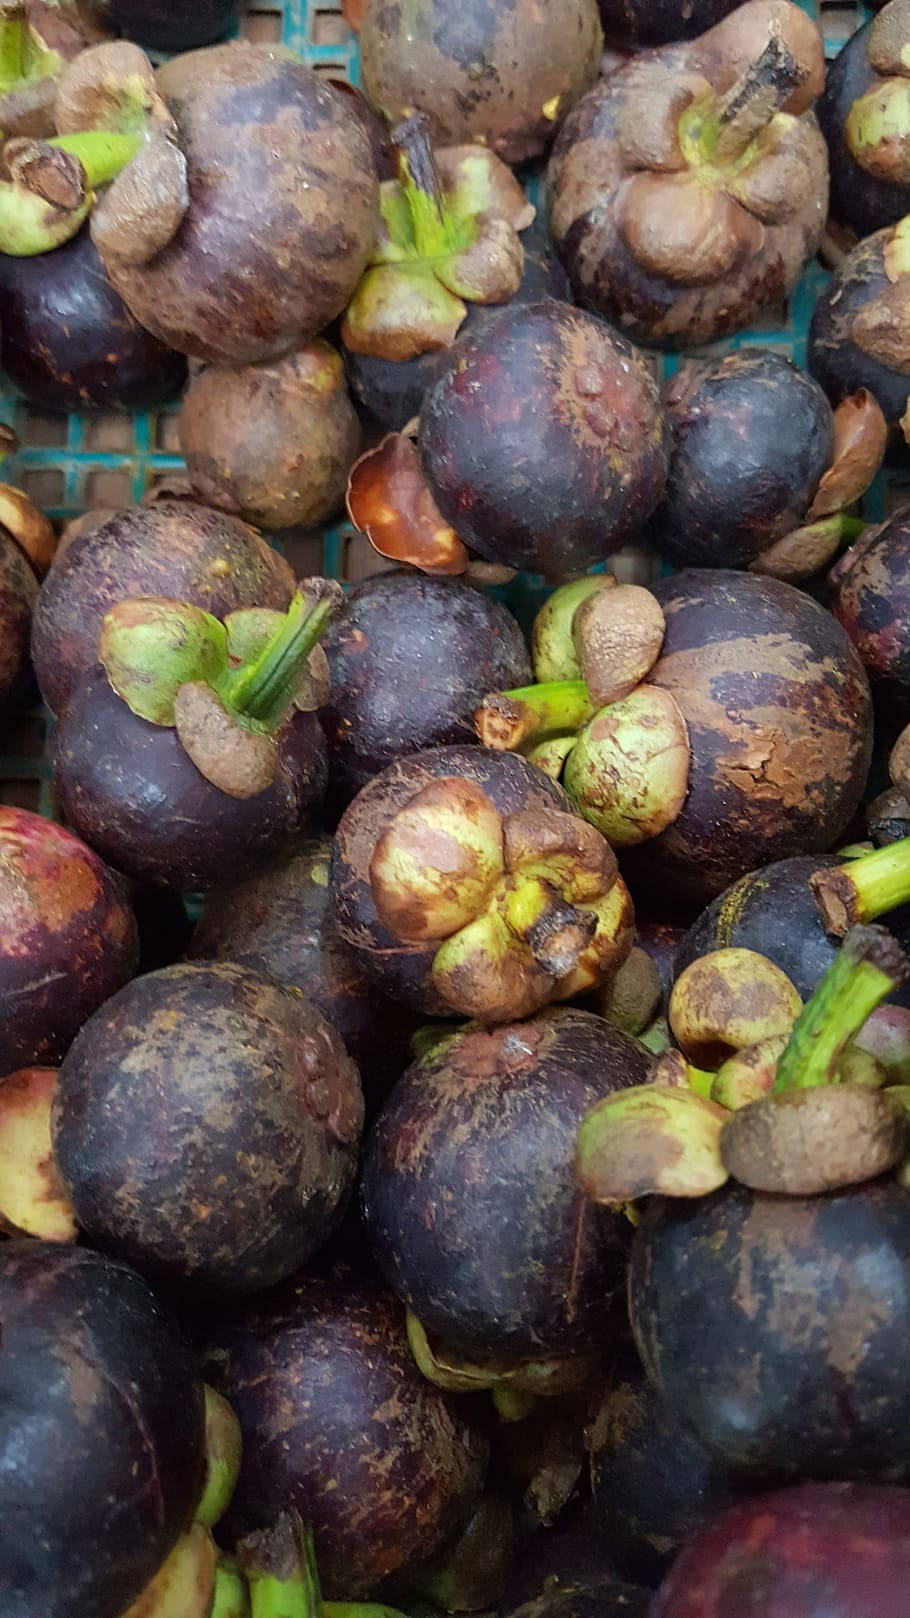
(133, 792)
(858, 200)
(806, 1292)
(653, 1484)
(170, 25)
(834, 359)
(68, 938)
(482, 1130)
(339, 1424)
(410, 661)
(283, 209)
(392, 390)
(544, 440)
(774, 912)
(173, 549)
(641, 24)
(103, 1442)
(402, 971)
(871, 599)
(206, 1124)
(272, 444)
(18, 594)
(279, 921)
(68, 341)
(779, 715)
(752, 438)
(793, 1554)
(584, 175)
(504, 72)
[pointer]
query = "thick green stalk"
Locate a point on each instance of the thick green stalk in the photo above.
(257, 689)
(280, 1568)
(863, 889)
(101, 152)
(435, 234)
(13, 36)
(512, 719)
(869, 966)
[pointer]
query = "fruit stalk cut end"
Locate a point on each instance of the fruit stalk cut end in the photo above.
(863, 889)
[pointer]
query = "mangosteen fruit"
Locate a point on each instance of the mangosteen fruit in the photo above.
(393, 390)
(198, 741)
(541, 445)
(266, 208)
(167, 25)
(688, 189)
(175, 549)
(779, 508)
(805, 1552)
(68, 342)
(102, 1453)
(279, 921)
(408, 663)
(864, 113)
(887, 818)
(339, 1425)
(653, 1483)
(472, 1574)
(503, 77)
(261, 1110)
(272, 444)
(640, 24)
(870, 597)
(807, 1294)
(465, 888)
(68, 940)
(857, 335)
(32, 1199)
(469, 1194)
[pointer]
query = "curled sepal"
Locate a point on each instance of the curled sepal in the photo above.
(860, 438)
(649, 118)
(184, 1586)
(806, 1142)
(110, 86)
(779, 182)
(804, 551)
(888, 42)
(389, 500)
(394, 315)
(149, 647)
(618, 636)
(881, 327)
(550, 755)
(630, 999)
(554, 653)
(628, 772)
(558, 848)
(32, 531)
(238, 760)
(651, 1139)
(445, 1368)
(485, 972)
(476, 183)
(223, 1447)
(675, 226)
(437, 862)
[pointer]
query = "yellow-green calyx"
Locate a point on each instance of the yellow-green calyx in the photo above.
(877, 131)
(520, 909)
(449, 236)
(49, 188)
(651, 1139)
(524, 1380)
(24, 56)
(227, 688)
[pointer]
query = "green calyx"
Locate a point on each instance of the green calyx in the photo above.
(279, 1565)
(877, 131)
(446, 240)
(51, 187)
(223, 1447)
(651, 1139)
(24, 57)
(227, 687)
(869, 966)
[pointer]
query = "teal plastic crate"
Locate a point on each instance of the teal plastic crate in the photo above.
(69, 464)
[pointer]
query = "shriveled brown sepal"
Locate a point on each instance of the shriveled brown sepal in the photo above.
(678, 228)
(143, 209)
(389, 500)
(860, 437)
(648, 125)
(236, 760)
(806, 1142)
(618, 636)
(32, 531)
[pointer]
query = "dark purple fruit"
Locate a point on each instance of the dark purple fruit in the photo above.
(339, 1424)
(170, 25)
(638, 24)
(175, 549)
(410, 660)
(279, 921)
(206, 1125)
(836, 358)
(778, 711)
(102, 1443)
(835, 1550)
(67, 938)
(544, 441)
(68, 342)
(870, 597)
(129, 788)
(859, 201)
(393, 390)
(653, 1483)
(470, 1198)
(801, 1373)
(752, 438)
(660, 940)
(18, 594)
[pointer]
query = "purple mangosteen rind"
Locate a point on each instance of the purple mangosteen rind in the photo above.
(642, 24)
(870, 599)
(836, 360)
(858, 199)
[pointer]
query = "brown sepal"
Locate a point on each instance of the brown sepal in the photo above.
(143, 209)
(389, 500)
(881, 327)
(676, 227)
(860, 437)
(28, 526)
(888, 38)
(648, 124)
(618, 635)
(239, 762)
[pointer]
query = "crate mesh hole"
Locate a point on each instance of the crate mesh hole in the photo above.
(109, 486)
(109, 433)
(44, 432)
(263, 27)
(44, 485)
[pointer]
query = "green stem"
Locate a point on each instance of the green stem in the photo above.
(255, 690)
(280, 1568)
(101, 152)
(232, 1598)
(863, 889)
(13, 35)
(512, 719)
(418, 176)
(869, 966)
(359, 1609)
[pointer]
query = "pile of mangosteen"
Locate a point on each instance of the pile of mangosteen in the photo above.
(455, 1014)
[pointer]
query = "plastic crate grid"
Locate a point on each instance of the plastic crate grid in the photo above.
(69, 464)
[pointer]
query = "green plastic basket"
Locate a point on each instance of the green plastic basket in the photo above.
(69, 464)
